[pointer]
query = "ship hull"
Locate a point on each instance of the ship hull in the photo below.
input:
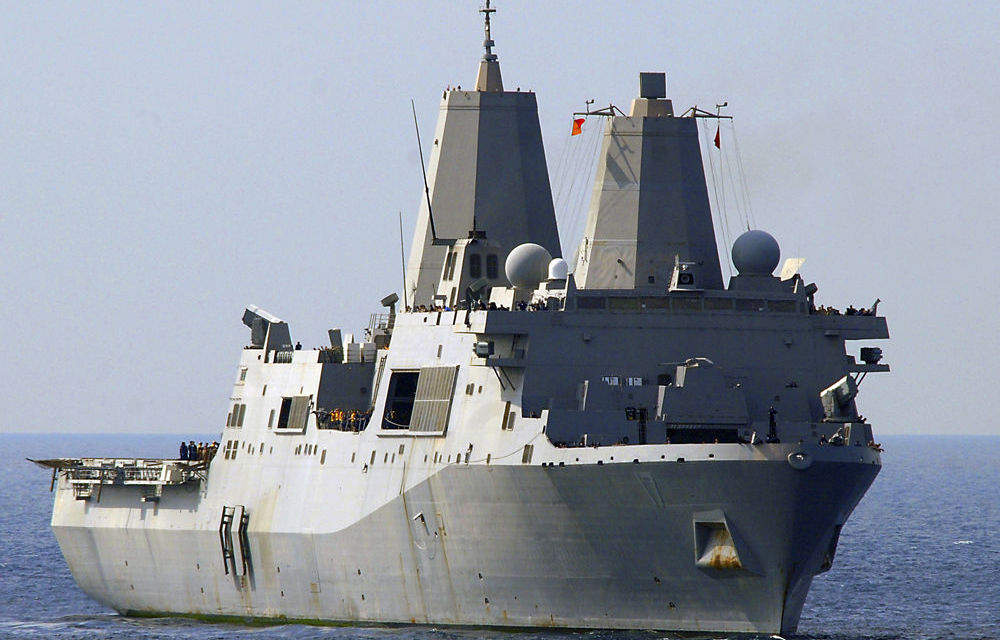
(579, 546)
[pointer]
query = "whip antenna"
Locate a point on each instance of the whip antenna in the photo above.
(427, 189)
(402, 259)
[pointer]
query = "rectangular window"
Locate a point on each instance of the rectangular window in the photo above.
(526, 456)
(656, 303)
(475, 266)
(686, 304)
(294, 411)
(749, 305)
(270, 420)
(506, 414)
(781, 306)
(623, 304)
(718, 304)
(243, 413)
(286, 409)
(399, 401)
(447, 266)
(590, 302)
(451, 265)
(420, 400)
(492, 270)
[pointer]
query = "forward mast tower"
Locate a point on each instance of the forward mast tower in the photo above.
(488, 188)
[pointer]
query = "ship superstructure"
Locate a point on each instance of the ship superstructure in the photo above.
(630, 445)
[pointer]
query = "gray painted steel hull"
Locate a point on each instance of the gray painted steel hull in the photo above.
(581, 546)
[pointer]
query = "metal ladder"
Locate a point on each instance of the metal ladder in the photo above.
(229, 515)
(226, 537)
(244, 539)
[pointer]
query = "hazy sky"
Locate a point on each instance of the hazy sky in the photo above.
(163, 165)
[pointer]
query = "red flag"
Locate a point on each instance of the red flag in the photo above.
(577, 127)
(718, 140)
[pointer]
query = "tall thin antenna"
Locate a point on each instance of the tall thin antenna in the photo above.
(402, 259)
(488, 43)
(427, 189)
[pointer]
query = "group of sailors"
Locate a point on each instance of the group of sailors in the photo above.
(838, 440)
(849, 311)
(479, 305)
(198, 452)
(341, 420)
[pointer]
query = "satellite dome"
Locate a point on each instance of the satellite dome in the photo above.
(756, 253)
(527, 265)
(558, 269)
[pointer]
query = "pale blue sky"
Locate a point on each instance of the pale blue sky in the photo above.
(163, 165)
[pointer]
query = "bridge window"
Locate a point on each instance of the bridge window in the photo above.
(475, 266)
(449, 265)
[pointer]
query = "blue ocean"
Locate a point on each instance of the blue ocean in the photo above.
(919, 560)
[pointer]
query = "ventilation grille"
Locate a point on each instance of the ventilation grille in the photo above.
(432, 403)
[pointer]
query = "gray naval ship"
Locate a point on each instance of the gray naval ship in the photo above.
(633, 445)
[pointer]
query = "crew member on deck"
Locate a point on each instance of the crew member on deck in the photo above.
(772, 424)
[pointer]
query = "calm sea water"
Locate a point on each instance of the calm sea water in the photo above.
(919, 560)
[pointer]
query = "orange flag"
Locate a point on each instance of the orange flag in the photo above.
(577, 127)
(718, 140)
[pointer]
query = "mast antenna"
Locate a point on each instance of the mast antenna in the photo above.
(488, 43)
(402, 260)
(427, 189)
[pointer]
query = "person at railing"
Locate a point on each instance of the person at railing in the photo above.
(184, 450)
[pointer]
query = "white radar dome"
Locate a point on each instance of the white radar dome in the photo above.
(558, 269)
(756, 253)
(527, 265)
